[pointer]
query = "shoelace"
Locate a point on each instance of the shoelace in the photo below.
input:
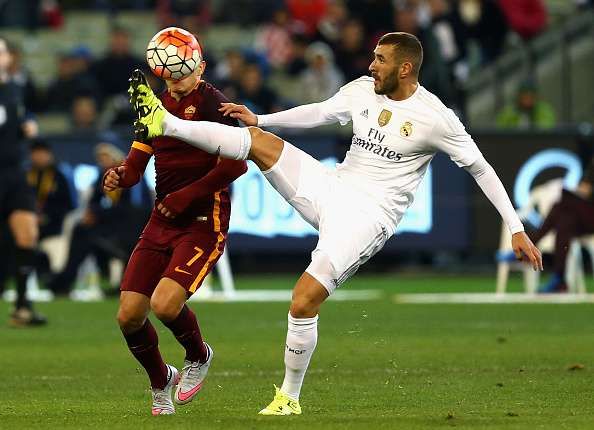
(187, 370)
(160, 398)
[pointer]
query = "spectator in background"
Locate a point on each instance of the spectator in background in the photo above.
(254, 93)
(51, 13)
(434, 74)
(307, 13)
(452, 40)
(110, 225)
(297, 65)
(228, 73)
(84, 114)
(274, 39)
(113, 70)
(352, 56)
(483, 21)
(376, 16)
(22, 77)
(55, 196)
(571, 217)
(31, 14)
(330, 27)
(528, 18)
(528, 111)
(321, 80)
(73, 79)
(193, 15)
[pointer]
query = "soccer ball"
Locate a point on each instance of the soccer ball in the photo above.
(173, 53)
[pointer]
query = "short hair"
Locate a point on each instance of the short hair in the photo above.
(407, 46)
(40, 144)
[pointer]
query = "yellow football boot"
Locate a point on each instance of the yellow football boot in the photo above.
(282, 405)
(147, 106)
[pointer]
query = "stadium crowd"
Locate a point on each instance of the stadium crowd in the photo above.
(304, 50)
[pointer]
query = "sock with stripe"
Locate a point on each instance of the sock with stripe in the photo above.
(144, 346)
(302, 337)
(187, 332)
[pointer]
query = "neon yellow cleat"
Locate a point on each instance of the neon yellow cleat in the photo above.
(282, 405)
(147, 106)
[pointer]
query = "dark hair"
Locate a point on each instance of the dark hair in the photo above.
(407, 46)
(40, 143)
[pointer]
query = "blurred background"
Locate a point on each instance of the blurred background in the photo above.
(518, 73)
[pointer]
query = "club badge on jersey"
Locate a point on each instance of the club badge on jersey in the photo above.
(406, 129)
(189, 112)
(384, 117)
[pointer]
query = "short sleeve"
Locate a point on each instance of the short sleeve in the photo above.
(211, 104)
(450, 136)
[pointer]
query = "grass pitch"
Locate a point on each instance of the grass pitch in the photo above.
(377, 365)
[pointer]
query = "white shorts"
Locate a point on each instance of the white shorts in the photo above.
(348, 221)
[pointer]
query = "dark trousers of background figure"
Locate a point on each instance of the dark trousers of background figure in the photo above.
(99, 241)
(570, 218)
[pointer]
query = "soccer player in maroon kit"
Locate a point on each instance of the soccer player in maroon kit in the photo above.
(180, 244)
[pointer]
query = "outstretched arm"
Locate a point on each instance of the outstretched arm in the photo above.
(491, 185)
(450, 136)
(333, 110)
(225, 172)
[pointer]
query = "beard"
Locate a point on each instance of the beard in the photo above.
(389, 85)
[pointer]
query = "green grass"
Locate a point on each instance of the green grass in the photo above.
(377, 365)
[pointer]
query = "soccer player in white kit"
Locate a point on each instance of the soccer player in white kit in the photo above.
(398, 126)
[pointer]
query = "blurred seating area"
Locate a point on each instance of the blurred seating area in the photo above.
(74, 57)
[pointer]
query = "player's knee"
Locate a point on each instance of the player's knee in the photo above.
(23, 225)
(130, 322)
(303, 306)
(26, 237)
(164, 310)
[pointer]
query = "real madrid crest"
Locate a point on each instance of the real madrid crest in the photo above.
(384, 117)
(406, 129)
(189, 112)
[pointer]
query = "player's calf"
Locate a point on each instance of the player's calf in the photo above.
(308, 296)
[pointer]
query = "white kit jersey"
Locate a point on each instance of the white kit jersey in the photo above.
(394, 141)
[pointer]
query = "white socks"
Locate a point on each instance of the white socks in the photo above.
(212, 137)
(302, 337)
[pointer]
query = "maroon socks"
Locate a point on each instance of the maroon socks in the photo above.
(144, 346)
(186, 331)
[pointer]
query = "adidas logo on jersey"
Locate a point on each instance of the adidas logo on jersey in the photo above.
(365, 114)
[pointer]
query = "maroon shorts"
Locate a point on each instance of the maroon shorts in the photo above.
(185, 255)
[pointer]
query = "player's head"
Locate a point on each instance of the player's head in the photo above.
(5, 56)
(182, 87)
(397, 57)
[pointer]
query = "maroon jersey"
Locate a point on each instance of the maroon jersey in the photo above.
(178, 164)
